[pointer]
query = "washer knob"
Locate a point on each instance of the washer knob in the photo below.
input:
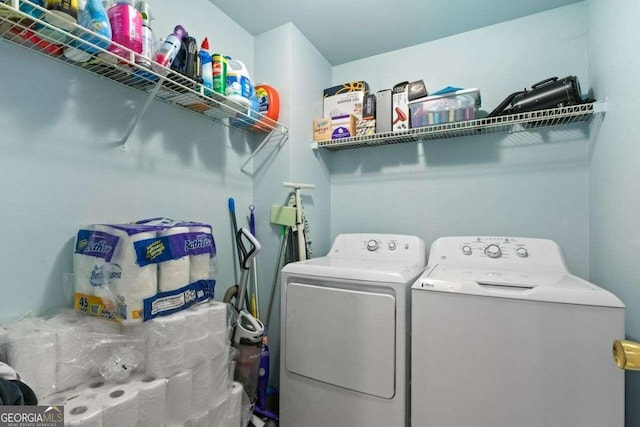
(466, 249)
(493, 251)
(522, 252)
(392, 246)
(373, 245)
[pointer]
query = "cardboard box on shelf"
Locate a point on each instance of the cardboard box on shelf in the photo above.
(321, 129)
(345, 99)
(383, 111)
(400, 107)
(343, 126)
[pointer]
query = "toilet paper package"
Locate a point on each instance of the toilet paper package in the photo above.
(202, 387)
(178, 404)
(136, 272)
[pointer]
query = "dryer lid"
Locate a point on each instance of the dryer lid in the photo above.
(395, 272)
(532, 285)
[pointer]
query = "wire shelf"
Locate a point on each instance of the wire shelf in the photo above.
(28, 25)
(521, 122)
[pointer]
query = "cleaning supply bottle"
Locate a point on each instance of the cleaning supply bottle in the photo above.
(148, 37)
(126, 28)
(169, 49)
(94, 18)
(268, 106)
(219, 73)
(206, 67)
(63, 13)
(238, 82)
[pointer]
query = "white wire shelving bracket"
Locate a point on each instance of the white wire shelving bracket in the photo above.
(33, 32)
(521, 122)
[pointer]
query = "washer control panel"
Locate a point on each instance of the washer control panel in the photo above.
(379, 246)
(493, 250)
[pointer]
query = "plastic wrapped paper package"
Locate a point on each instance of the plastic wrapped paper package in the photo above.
(83, 412)
(178, 403)
(152, 393)
(119, 406)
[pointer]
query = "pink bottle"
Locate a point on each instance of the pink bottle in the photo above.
(126, 28)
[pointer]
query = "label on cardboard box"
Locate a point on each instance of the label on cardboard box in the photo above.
(359, 86)
(343, 104)
(343, 126)
(321, 129)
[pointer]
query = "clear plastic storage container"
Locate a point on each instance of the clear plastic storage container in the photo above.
(446, 108)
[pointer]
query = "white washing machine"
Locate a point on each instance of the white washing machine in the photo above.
(504, 335)
(344, 333)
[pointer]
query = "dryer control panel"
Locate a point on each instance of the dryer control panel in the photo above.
(506, 252)
(378, 246)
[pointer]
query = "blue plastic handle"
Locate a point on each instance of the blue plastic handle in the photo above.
(232, 205)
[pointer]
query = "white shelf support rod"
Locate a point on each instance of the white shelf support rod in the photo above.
(14, 4)
(143, 110)
(257, 150)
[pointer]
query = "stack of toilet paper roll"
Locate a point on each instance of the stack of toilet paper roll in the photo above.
(136, 269)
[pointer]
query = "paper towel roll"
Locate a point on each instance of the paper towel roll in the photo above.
(200, 265)
(234, 407)
(131, 283)
(218, 316)
(173, 274)
(119, 406)
(137, 334)
(178, 406)
(152, 394)
(85, 267)
(202, 388)
(218, 414)
(74, 361)
(221, 378)
(83, 413)
(32, 353)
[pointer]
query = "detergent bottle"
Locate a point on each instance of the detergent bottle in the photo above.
(93, 17)
(206, 67)
(239, 86)
(126, 28)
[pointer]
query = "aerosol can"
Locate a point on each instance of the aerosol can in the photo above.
(247, 339)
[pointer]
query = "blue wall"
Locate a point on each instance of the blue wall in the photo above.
(614, 67)
(61, 167)
(523, 185)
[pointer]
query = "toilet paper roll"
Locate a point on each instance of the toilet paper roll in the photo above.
(178, 405)
(220, 379)
(94, 387)
(218, 414)
(119, 406)
(137, 335)
(86, 269)
(202, 388)
(152, 394)
(200, 265)
(164, 361)
(74, 358)
(218, 316)
(61, 399)
(173, 274)
(197, 351)
(32, 353)
(234, 406)
(200, 421)
(167, 330)
(130, 282)
(83, 413)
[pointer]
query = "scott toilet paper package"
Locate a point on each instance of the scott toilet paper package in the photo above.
(135, 272)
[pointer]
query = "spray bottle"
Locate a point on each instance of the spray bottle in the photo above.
(148, 37)
(206, 67)
(169, 49)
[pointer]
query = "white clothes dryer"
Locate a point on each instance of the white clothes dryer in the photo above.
(344, 333)
(503, 335)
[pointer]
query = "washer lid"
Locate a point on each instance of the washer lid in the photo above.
(356, 269)
(548, 286)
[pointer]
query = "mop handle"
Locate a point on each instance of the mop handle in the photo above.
(302, 247)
